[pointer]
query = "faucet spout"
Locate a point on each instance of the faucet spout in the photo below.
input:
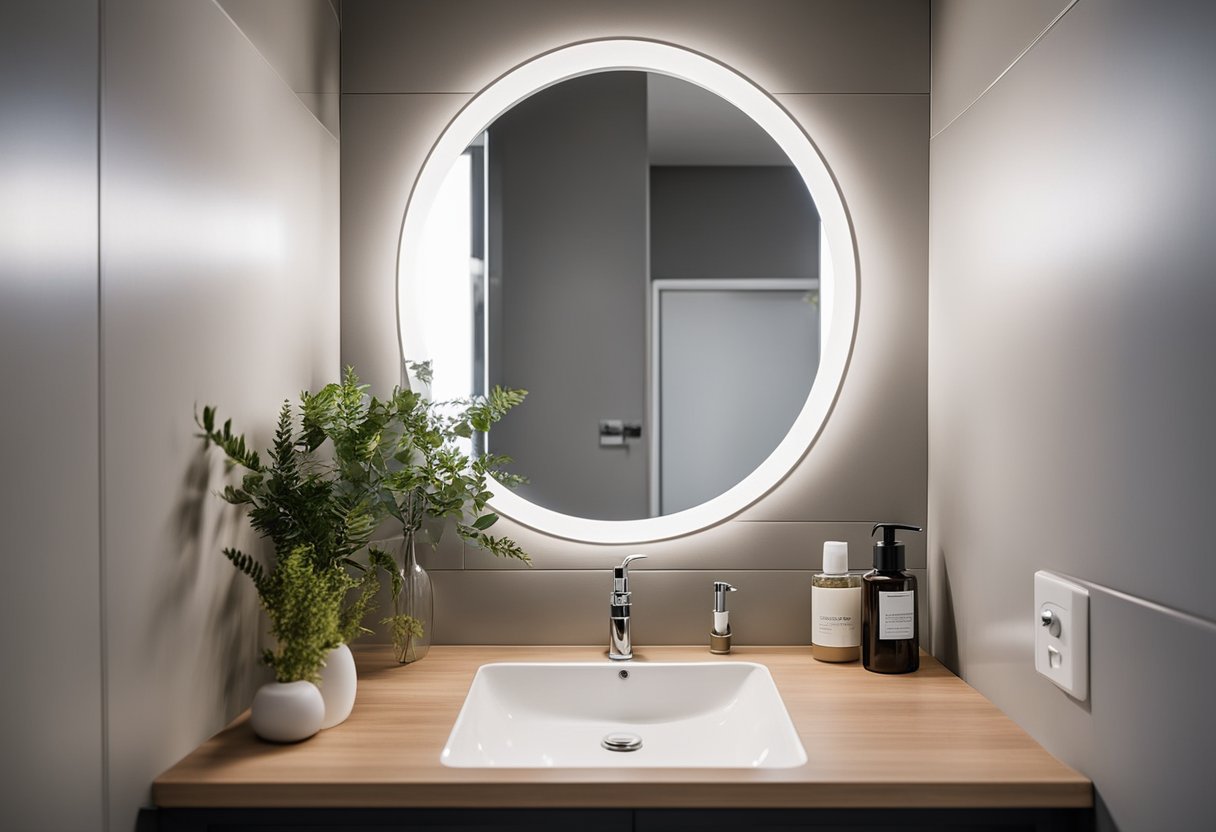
(620, 640)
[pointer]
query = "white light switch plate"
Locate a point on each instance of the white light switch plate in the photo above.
(1062, 653)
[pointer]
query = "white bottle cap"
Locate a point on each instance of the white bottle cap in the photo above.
(835, 557)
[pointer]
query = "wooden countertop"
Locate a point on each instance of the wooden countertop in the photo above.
(922, 740)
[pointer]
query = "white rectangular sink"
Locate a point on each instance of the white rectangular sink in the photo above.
(686, 715)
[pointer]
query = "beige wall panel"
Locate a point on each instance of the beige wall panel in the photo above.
(756, 548)
(1070, 396)
(508, 607)
(783, 45)
(674, 566)
(973, 43)
(219, 285)
(869, 461)
(737, 544)
(441, 550)
(386, 138)
(770, 607)
(869, 464)
(50, 699)
(571, 606)
(447, 555)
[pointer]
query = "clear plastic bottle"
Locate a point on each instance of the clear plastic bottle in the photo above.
(836, 607)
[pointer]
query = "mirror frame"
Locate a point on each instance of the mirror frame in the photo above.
(838, 293)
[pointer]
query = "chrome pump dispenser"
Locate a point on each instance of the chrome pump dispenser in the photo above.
(719, 636)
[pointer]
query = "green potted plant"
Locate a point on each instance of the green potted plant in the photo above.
(415, 456)
(303, 600)
(315, 592)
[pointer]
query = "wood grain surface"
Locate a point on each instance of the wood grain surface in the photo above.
(922, 740)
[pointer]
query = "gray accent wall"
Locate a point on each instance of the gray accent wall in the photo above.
(1070, 384)
(567, 275)
(855, 75)
(175, 203)
(731, 221)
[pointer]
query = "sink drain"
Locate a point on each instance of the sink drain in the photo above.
(621, 742)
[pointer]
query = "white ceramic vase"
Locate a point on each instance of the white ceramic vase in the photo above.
(337, 685)
(287, 711)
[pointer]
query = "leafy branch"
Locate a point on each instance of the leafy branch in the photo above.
(317, 593)
(406, 451)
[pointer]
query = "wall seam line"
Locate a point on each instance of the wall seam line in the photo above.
(768, 92)
(275, 71)
(807, 522)
(1006, 70)
(543, 570)
(102, 607)
(1155, 606)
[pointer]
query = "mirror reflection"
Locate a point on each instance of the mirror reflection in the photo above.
(644, 260)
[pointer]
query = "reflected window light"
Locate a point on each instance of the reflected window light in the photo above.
(446, 291)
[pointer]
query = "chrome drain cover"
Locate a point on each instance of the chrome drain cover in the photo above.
(621, 742)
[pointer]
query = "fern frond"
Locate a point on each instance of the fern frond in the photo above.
(249, 566)
(487, 410)
(284, 451)
(502, 547)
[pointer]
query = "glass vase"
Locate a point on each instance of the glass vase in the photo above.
(413, 608)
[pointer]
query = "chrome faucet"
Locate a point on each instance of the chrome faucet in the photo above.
(620, 642)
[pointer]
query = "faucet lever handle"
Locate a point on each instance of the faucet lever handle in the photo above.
(620, 575)
(623, 569)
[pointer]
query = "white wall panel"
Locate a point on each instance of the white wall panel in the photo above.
(1070, 389)
(50, 697)
(219, 285)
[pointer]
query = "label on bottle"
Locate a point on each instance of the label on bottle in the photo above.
(896, 615)
(835, 616)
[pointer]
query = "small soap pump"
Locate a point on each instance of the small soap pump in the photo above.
(719, 636)
(890, 629)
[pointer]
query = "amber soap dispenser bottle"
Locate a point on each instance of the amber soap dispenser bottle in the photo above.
(890, 629)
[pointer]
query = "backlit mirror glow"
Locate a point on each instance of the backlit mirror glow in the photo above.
(660, 257)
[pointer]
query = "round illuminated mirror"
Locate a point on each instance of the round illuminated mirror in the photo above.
(648, 244)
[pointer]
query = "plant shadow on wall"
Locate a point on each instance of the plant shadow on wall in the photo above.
(341, 463)
(228, 648)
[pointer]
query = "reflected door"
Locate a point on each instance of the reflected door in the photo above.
(730, 374)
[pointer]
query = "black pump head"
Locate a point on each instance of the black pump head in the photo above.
(889, 552)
